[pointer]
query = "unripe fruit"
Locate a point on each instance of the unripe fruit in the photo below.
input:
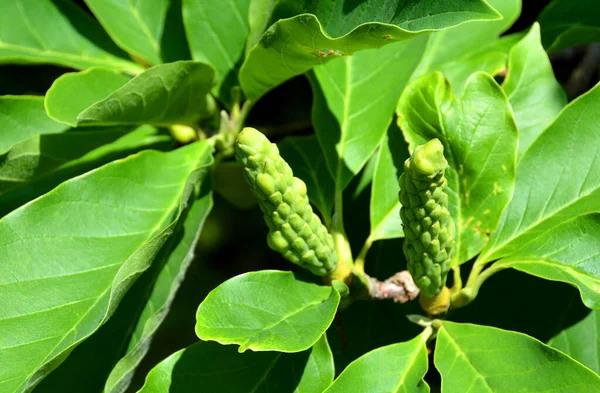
(294, 230)
(428, 226)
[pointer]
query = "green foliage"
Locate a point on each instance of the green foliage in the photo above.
(267, 310)
(569, 23)
(428, 226)
(519, 362)
(120, 126)
(227, 370)
(294, 230)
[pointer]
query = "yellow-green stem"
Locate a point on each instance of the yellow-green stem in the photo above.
(470, 291)
(359, 263)
(343, 270)
(457, 286)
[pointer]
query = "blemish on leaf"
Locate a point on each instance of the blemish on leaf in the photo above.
(387, 37)
(486, 211)
(467, 198)
(497, 189)
(504, 168)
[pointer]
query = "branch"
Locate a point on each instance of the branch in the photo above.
(400, 288)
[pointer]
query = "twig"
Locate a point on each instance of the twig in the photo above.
(400, 288)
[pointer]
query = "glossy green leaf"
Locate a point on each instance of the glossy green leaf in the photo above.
(474, 46)
(479, 136)
(23, 117)
(354, 99)
(136, 26)
(568, 252)
(474, 358)
(581, 341)
(88, 367)
(558, 178)
(56, 32)
(259, 18)
(394, 368)
(458, 72)
(267, 310)
(414, 15)
(385, 203)
(308, 163)
(39, 164)
(217, 33)
(534, 94)
(174, 93)
(567, 23)
(163, 292)
(295, 45)
(87, 241)
(220, 368)
(72, 93)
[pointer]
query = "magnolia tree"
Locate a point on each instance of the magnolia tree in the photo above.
(440, 152)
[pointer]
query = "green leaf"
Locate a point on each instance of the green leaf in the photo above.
(87, 241)
(56, 32)
(581, 341)
(267, 310)
(534, 94)
(414, 15)
(485, 359)
(567, 23)
(295, 45)
(458, 72)
(136, 27)
(223, 369)
(33, 167)
(72, 93)
(88, 367)
(394, 368)
(23, 117)
(163, 293)
(174, 93)
(480, 143)
(558, 178)
(354, 99)
(217, 33)
(259, 19)
(385, 203)
(568, 252)
(306, 159)
(37, 165)
(470, 47)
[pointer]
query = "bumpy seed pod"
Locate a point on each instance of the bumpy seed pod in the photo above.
(294, 230)
(428, 226)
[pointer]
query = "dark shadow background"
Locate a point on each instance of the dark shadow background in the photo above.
(233, 241)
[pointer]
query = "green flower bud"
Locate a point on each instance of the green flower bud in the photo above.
(428, 226)
(294, 230)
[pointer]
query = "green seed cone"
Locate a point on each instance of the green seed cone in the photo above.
(428, 226)
(294, 230)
